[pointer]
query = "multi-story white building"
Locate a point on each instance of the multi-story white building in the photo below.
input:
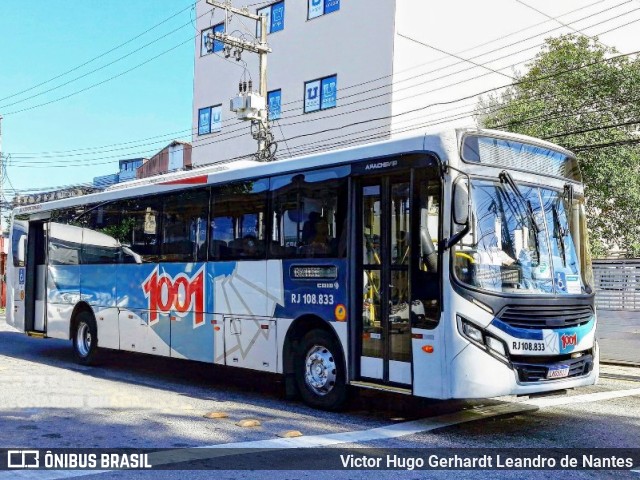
(330, 74)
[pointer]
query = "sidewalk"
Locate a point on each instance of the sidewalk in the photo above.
(630, 372)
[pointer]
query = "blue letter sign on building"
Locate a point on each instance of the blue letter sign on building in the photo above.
(274, 100)
(216, 118)
(329, 88)
(204, 121)
(321, 7)
(316, 8)
(312, 96)
(331, 5)
(320, 94)
(217, 45)
(277, 17)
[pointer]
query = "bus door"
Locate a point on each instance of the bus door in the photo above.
(35, 277)
(383, 267)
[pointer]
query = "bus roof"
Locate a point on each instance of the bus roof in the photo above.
(443, 143)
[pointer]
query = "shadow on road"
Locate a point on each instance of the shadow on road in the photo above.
(209, 380)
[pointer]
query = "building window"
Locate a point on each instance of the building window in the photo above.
(206, 42)
(275, 18)
(274, 101)
(320, 94)
(317, 8)
(209, 120)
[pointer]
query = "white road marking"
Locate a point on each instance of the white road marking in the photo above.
(546, 402)
(332, 439)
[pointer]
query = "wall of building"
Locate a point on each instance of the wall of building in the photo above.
(456, 50)
(355, 43)
(105, 181)
(176, 156)
(128, 168)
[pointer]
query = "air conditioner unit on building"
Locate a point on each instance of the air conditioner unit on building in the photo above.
(248, 106)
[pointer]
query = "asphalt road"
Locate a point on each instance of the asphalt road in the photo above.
(48, 401)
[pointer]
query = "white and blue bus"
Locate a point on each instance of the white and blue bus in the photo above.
(446, 265)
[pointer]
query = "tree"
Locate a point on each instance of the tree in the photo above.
(584, 96)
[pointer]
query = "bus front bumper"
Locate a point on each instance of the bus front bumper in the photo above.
(476, 374)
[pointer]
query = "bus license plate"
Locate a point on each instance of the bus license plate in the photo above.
(558, 371)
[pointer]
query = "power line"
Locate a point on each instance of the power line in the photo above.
(581, 148)
(544, 77)
(380, 78)
(298, 122)
(454, 56)
(101, 55)
(592, 129)
(435, 79)
(491, 51)
(135, 67)
(549, 76)
(91, 72)
(195, 146)
(521, 2)
(488, 43)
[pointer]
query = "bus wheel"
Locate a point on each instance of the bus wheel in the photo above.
(320, 371)
(85, 339)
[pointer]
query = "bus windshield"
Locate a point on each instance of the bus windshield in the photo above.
(524, 240)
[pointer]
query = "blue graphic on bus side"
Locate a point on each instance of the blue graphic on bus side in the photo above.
(323, 297)
(180, 302)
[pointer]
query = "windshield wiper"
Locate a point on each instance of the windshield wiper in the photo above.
(562, 232)
(505, 177)
(568, 196)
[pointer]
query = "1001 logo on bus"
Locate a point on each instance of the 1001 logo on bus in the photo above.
(180, 294)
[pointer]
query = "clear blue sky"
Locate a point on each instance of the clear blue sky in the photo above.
(42, 39)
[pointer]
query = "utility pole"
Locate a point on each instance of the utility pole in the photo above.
(247, 105)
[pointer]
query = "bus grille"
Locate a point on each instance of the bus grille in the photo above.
(541, 316)
(535, 372)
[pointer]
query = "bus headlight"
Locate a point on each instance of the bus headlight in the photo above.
(496, 346)
(472, 332)
(492, 345)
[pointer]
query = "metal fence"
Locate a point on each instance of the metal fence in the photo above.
(617, 284)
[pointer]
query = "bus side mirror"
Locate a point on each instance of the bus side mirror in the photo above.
(460, 214)
(461, 203)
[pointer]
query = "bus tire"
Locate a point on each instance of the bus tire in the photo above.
(85, 339)
(320, 371)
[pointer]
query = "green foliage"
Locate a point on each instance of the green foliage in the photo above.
(576, 84)
(120, 232)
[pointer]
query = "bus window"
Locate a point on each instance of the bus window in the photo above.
(65, 236)
(184, 226)
(65, 242)
(141, 222)
(309, 215)
(238, 221)
(105, 231)
(19, 236)
(426, 294)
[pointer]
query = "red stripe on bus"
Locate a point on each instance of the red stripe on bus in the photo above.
(188, 181)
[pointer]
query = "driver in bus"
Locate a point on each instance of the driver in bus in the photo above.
(320, 243)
